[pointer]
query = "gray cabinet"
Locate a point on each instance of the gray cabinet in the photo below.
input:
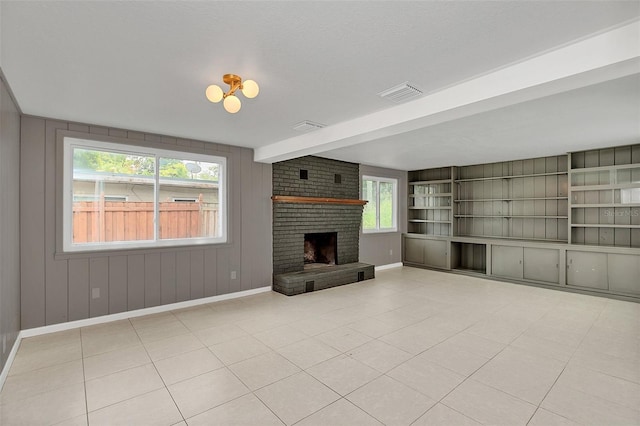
(541, 264)
(587, 269)
(426, 252)
(506, 261)
(414, 250)
(535, 264)
(435, 253)
(624, 273)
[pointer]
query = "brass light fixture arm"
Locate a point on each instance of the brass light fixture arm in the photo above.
(234, 82)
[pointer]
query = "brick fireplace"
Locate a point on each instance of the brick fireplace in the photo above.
(316, 203)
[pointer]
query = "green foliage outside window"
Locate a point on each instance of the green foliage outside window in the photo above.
(110, 162)
(378, 213)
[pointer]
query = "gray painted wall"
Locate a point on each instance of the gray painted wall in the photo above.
(56, 287)
(9, 223)
(385, 248)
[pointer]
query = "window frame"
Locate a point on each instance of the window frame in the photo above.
(70, 142)
(394, 210)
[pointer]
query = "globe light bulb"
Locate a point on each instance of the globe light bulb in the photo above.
(214, 93)
(232, 104)
(250, 89)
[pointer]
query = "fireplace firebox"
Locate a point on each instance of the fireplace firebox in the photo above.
(320, 249)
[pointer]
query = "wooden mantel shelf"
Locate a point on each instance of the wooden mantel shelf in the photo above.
(316, 200)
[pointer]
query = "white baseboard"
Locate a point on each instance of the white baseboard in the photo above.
(389, 266)
(138, 313)
(5, 371)
(115, 317)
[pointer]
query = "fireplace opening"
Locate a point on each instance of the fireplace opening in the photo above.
(320, 249)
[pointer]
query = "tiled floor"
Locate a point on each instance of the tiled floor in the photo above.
(410, 347)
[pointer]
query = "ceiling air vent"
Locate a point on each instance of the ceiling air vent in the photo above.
(307, 126)
(401, 93)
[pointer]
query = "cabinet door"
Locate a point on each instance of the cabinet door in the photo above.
(435, 253)
(624, 273)
(414, 250)
(506, 261)
(587, 269)
(541, 264)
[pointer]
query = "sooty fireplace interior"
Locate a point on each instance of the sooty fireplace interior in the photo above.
(320, 249)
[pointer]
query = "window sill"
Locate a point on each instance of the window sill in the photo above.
(380, 231)
(65, 255)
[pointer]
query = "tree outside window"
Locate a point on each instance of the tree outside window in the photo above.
(380, 213)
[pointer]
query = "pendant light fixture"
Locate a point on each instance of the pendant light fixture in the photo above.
(232, 104)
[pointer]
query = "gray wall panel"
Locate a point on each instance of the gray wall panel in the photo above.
(223, 272)
(183, 276)
(9, 222)
(98, 286)
(168, 278)
(117, 284)
(249, 220)
(128, 279)
(197, 274)
(32, 292)
(135, 281)
(152, 280)
(210, 272)
(78, 289)
(264, 254)
(236, 188)
(56, 279)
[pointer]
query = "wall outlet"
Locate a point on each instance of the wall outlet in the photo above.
(95, 293)
(390, 252)
(233, 275)
(4, 344)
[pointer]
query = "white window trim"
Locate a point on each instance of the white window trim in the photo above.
(377, 229)
(69, 143)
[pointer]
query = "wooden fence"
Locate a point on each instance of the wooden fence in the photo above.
(104, 221)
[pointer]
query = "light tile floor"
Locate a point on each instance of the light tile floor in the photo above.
(410, 347)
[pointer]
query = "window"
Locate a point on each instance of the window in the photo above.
(379, 214)
(121, 196)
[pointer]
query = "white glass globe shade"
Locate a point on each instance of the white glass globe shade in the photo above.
(250, 89)
(232, 104)
(214, 93)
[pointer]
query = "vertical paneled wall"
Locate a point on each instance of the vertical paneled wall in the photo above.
(385, 248)
(57, 287)
(9, 223)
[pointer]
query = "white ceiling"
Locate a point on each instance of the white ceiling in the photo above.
(145, 65)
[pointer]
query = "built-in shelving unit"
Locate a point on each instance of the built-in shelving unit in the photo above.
(430, 202)
(523, 199)
(569, 221)
(605, 197)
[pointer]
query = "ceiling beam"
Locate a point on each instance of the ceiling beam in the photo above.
(603, 57)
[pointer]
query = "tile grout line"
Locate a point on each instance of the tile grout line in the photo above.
(135, 330)
(563, 369)
(84, 382)
(440, 401)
